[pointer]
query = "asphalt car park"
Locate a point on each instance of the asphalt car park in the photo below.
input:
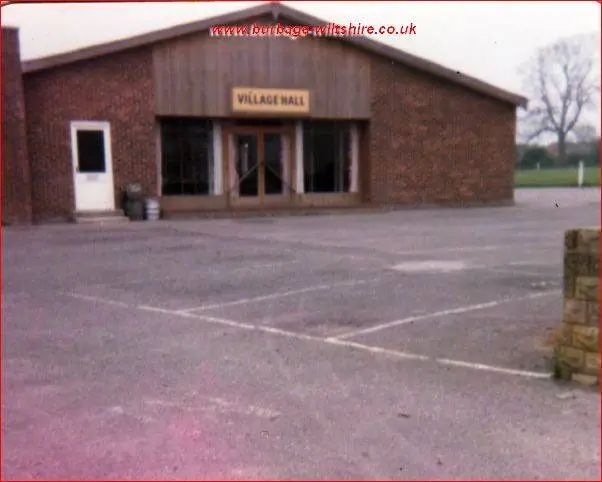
(405, 344)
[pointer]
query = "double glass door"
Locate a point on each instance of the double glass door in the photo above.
(259, 166)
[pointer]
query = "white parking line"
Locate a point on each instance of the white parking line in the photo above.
(529, 264)
(490, 368)
(100, 300)
(469, 249)
(208, 319)
(439, 361)
(219, 404)
(338, 341)
(508, 268)
(521, 272)
(282, 294)
(439, 314)
(264, 265)
(456, 249)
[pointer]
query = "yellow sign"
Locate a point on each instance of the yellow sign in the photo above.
(270, 101)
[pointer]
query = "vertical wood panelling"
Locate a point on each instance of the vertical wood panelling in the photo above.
(193, 75)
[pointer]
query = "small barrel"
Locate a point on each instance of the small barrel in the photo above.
(152, 209)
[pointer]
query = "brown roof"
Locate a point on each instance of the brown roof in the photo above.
(276, 10)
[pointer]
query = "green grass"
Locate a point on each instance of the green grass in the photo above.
(561, 177)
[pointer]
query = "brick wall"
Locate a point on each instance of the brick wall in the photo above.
(16, 180)
(118, 89)
(434, 142)
(578, 350)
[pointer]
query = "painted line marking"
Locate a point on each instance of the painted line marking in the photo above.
(437, 314)
(526, 273)
(434, 267)
(208, 319)
(374, 258)
(264, 265)
(501, 269)
(100, 300)
(337, 341)
(439, 361)
(261, 412)
(530, 264)
(223, 321)
(220, 404)
(431, 266)
(449, 250)
(282, 294)
(467, 249)
(491, 368)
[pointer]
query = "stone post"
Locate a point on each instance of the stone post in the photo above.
(577, 355)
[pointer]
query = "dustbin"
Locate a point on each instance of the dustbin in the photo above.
(134, 201)
(153, 209)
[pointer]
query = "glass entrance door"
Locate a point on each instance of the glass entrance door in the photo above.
(246, 152)
(259, 168)
(273, 163)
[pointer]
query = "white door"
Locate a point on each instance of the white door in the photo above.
(92, 166)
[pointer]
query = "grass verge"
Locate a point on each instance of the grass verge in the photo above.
(564, 177)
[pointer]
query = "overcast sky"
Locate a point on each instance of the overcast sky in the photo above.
(487, 40)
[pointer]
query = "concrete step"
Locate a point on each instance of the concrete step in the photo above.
(100, 217)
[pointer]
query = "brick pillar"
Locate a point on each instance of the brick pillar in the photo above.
(16, 176)
(578, 352)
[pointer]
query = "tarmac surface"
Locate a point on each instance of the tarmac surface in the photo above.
(401, 345)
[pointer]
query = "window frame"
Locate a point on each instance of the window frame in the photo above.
(184, 132)
(95, 126)
(345, 138)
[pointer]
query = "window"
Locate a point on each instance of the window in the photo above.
(187, 157)
(91, 151)
(327, 156)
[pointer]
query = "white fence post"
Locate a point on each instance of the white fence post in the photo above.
(580, 174)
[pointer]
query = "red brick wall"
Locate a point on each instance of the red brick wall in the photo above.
(16, 181)
(118, 89)
(432, 142)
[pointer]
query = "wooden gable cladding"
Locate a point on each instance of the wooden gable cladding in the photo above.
(194, 75)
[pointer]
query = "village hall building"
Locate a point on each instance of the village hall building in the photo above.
(217, 125)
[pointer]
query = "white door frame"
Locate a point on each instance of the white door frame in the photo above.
(93, 192)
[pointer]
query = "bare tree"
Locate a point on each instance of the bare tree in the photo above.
(562, 84)
(585, 133)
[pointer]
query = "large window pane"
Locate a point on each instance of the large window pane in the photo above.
(326, 156)
(274, 172)
(247, 164)
(187, 157)
(91, 151)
